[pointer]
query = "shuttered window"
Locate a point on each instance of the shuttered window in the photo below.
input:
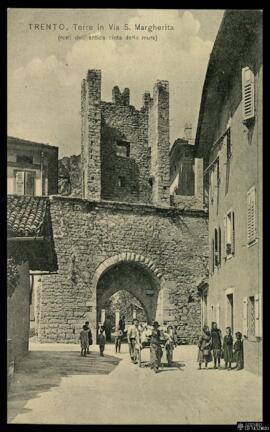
(229, 233)
(258, 315)
(245, 310)
(20, 183)
(248, 109)
(251, 215)
(217, 314)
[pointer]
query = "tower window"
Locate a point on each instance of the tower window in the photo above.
(122, 148)
(121, 181)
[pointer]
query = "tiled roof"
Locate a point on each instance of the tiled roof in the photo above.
(26, 215)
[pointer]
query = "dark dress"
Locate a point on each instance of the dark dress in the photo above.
(238, 354)
(216, 342)
(228, 348)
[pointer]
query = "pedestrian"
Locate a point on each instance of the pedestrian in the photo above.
(134, 340)
(238, 351)
(155, 348)
(90, 339)
(216, 344)
(170, 343)
(122, 324)
(228, 348)
(84, 340)
(118, 339)
(204, 345)
(107, 325)
(101, 341)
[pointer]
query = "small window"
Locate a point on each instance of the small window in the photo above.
(122, 148)
(251, 316)
(24, 159)
(121, 181)
(217, 247)
(229, 234)
(229, 144)
(251, 215)
(248, 106)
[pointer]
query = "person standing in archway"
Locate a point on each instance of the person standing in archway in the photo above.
(107, 325)
(122, 324)
(90, 338)
(155, 348)
(134, 340)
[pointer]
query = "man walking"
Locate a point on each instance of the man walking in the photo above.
(133, 337)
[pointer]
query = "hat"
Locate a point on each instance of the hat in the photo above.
(238, 334)
(155, 324)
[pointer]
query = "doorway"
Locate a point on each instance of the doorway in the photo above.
(230, 315)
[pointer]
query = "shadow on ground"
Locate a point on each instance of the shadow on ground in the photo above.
(39, 371)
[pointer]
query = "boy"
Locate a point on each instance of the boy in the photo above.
(84, 340)
(102, 341)
(238, 351)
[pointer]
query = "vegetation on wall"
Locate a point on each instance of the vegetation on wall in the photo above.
(12, 276)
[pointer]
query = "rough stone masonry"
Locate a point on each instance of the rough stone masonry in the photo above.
(123, 233)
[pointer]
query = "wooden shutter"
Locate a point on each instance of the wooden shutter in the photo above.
(245, 317)
(251, 214)
(233, 232)
(225, 236)
(248, 109)
(219, 245)
(20, 183)
(217, 314)
(258, 315)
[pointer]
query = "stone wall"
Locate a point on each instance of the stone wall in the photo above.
(18, 312)
(168, 243)
(123, 123)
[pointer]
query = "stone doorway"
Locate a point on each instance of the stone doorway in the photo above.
(135, 278)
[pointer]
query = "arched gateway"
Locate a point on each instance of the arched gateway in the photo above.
(135, 274)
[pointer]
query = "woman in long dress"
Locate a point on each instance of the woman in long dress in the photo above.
(204, 345)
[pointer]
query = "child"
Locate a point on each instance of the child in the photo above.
(204, 345)
(238, 351)
(216, 344)
(170, 344)
(228, 348)
(102, 341)
(84, 340)
(118, 339)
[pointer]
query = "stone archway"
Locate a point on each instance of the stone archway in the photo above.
(136, 274)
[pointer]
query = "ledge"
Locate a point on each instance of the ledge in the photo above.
(125, 206)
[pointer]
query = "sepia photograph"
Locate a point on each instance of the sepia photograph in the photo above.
(134, 217)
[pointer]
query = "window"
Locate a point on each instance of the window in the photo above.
(24, 159)
(248, 108)
(217, 248)
(121, 181)
(25, 183)
(251, 316)
(230, 311)
(122, 148)
(229, 144)
(251, 215)
(229, 234)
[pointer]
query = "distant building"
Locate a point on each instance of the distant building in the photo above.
(186, 173)
(32, 168)
(229, 138)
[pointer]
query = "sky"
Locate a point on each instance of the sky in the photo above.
(45, 73)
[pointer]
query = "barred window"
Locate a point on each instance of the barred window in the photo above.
(251, 316)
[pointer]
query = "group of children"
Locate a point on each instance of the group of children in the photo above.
(211, 342)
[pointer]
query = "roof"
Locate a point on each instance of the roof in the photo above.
(20, 141)
(26, 216)
(239, 30)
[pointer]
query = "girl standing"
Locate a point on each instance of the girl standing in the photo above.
(228, 348)
(204, 345)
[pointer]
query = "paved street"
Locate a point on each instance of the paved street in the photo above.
(54, 385)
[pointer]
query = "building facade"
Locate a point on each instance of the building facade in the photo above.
(32, 168)
(123, 233)
(229, 139)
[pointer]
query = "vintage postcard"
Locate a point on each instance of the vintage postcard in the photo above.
(134, 211)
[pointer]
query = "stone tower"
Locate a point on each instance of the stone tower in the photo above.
(159, 141)
(90, 135)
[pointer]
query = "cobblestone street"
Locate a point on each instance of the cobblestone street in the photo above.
(54, 385)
